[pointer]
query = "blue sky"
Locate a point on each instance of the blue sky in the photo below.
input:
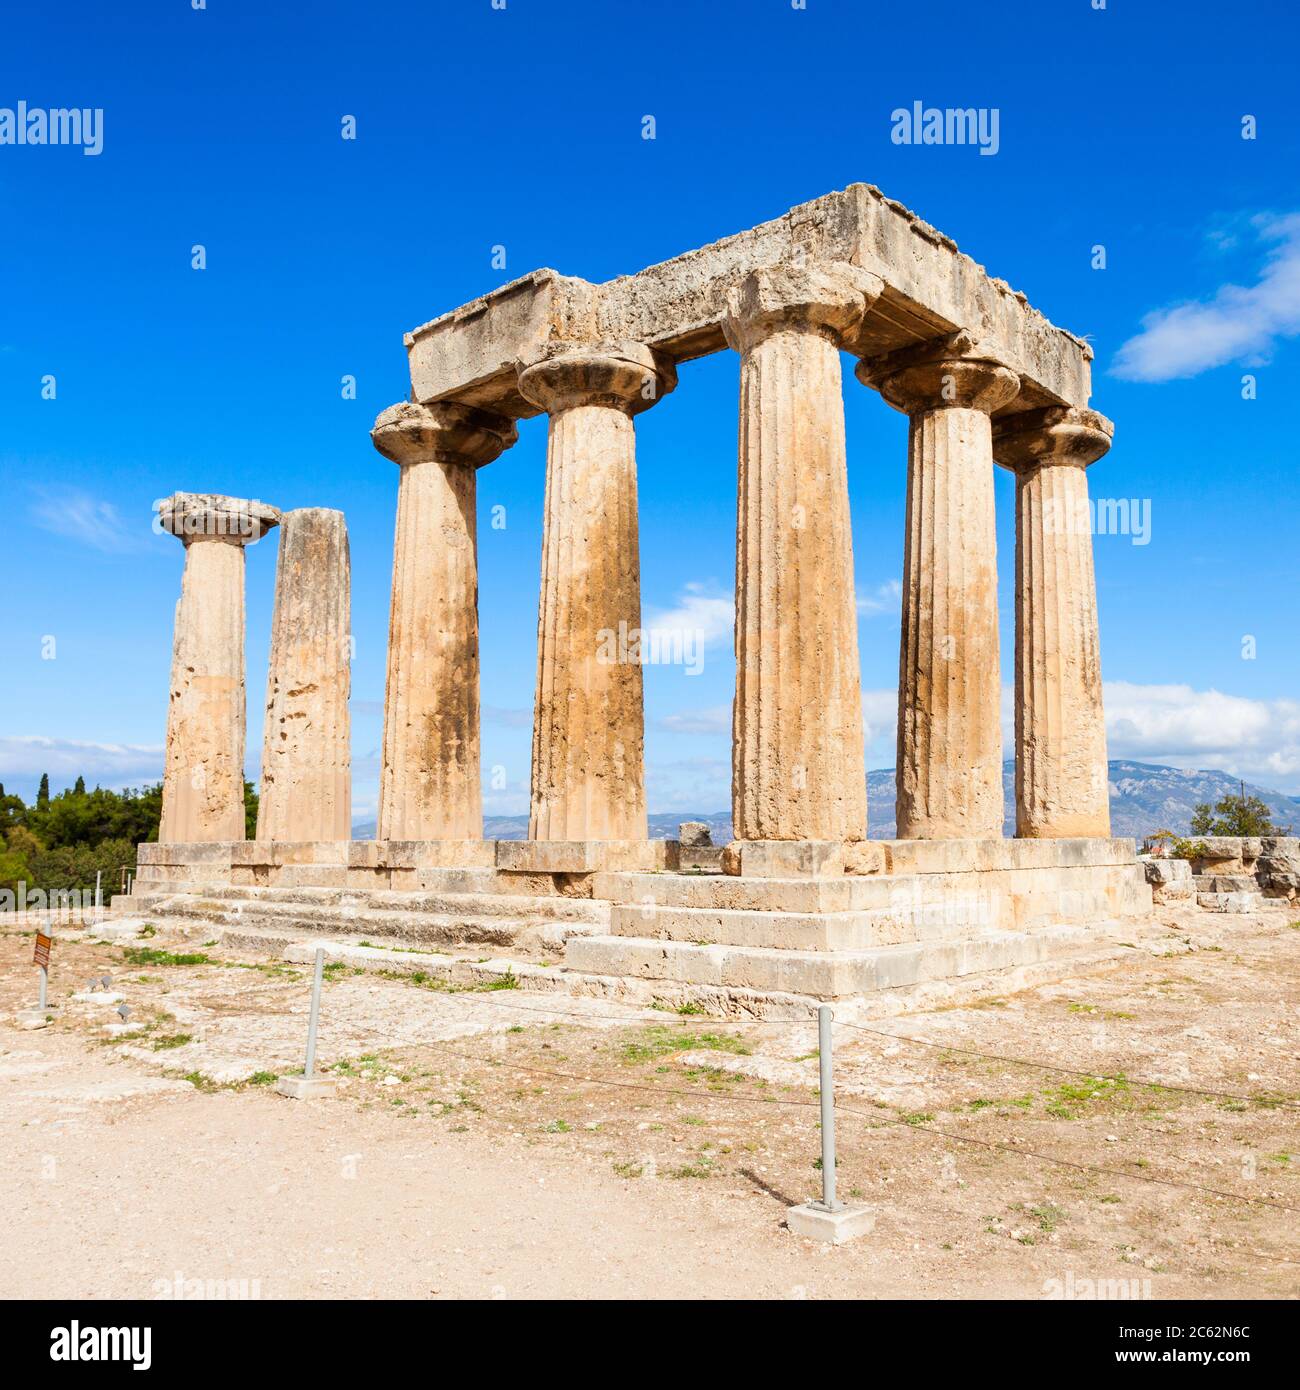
(522, 127)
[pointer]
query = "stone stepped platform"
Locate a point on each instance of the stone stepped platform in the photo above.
(790, 922)
(836, 973)
(444, 919)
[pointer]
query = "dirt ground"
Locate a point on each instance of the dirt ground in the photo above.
(1137, 1125)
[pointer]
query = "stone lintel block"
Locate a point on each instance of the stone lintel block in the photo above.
(803, 858)
(585, 856)
(217, 853)
(677, 306)
(307, 1088)
(814, 1222)
(1163, 872)
(421, 854)
(31, 1019)
(953, 856)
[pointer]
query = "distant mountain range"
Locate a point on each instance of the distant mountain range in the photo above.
(1143, 797)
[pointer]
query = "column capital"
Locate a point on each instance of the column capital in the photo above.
(208, 516)
(1054, 434)
(445, 431)
(956, 371)
(623, 376)
(829, 298)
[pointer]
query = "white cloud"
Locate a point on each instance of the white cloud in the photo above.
(1186, 728)
(1240, 324)
(716, 719)
(699, 609)
(884, 598)
(90, 520)
(113, 764)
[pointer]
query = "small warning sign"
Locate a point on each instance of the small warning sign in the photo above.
(42, 956)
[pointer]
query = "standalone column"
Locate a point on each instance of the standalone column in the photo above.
(798, 771)
(588, 776)
(949, 695)
(306, 754)
(429, 784)
(1062, 784)
(203, 778)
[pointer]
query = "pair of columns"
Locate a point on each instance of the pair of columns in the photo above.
(588, 766)
(306, 759)
(798, 767)
(798, 762)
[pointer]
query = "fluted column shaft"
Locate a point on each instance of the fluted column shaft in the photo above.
(306, 789)
(1062, 783)
(203, 777)
(798, 765)
(429, 783)
(588, 768)
(949, 764)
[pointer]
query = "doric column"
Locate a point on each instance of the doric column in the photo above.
(949, 725)
(429, 784)
(588, 774)
(798, 771)
(1062, 783)
(306, 791)
(203, 777)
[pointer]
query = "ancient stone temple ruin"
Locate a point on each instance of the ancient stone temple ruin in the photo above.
(807, 905)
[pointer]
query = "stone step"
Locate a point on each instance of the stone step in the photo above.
(1230, 902)
(796, 931)
(825, 975)
(1226, 883)
(479, 904)
(525, 934)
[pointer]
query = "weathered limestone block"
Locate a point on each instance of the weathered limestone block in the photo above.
(588, 773)
(306, 791)
(949, 728)
(429, 783)
(798, 770)
(1062, 785)
(1278, 867)
(694, 834)
(1170, 879)
(203, 778)
(677, 306)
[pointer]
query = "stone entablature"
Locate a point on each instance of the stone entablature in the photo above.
(928, 289)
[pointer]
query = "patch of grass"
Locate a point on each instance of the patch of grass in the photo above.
(690, 1008)
(702, 1168)
(629, 1169)
(172, 1040)
(1068, 1101)
(556, 1127)
(1281, 1157)
(917, 1117)
(661, 1040)
(507, 981)
(201, 1081)
(147, 930)
(1049, 1216)
(149, 955)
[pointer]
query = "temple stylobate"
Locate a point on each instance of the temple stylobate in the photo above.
(802, 905)
(981, 376)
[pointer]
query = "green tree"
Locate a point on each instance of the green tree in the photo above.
(43, 793)
(250, 811)
(1233, 815)
(80, 788)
